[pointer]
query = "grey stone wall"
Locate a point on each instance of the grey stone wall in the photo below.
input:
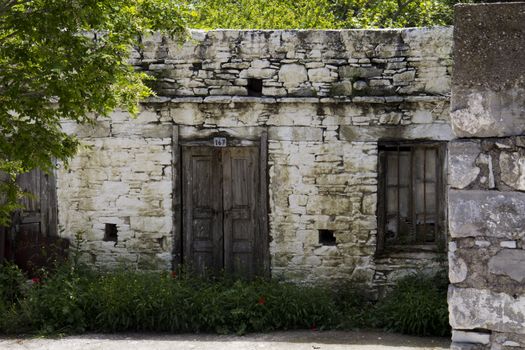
(340, 63)
(327, 98)
(486, 199)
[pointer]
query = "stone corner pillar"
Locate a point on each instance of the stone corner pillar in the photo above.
(487, 178)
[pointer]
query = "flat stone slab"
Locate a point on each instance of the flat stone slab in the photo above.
(509, 262)
(483, 309)
(293, 340)
(486, 214)
(462, 163)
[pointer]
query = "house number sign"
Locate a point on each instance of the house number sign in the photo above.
(219, 142)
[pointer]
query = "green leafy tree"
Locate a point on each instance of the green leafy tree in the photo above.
(320, 14)
(392, 13)
(258, 14)
(66, 59)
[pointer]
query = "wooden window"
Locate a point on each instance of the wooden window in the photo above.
(411, 210)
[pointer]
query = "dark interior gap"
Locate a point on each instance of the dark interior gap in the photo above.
(254, 87)
(110, 233)
(327, 237)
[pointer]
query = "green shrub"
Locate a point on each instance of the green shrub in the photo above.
(12, 283)
(357, 310)
(14, 289)
(57, 303)
(158, 302)
(73, 300)
(417, 305)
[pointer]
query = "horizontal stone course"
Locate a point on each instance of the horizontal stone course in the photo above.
(486, 214)
(301, 63)
(483, 309)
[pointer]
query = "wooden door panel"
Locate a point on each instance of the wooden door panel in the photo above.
(31, 182)
(31, 240)
(240, 183)
(202, 209)
(241, 227)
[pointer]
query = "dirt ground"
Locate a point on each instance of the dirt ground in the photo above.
(292, 340)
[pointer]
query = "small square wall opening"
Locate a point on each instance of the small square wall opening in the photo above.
(110, 233)
(326, 237)
(254, 87)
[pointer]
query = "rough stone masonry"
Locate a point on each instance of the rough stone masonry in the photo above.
(487, 178)
(323, 98)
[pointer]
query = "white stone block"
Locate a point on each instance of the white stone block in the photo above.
(482, 244)
(480, 308)
(508, 244)
(292, 74)
(320, 75)
(470, 337)
(511, 344)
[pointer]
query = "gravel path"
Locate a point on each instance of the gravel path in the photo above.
(293, 340)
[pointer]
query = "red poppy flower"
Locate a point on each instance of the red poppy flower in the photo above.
(262, 300)
(35, 280)
(174, 274)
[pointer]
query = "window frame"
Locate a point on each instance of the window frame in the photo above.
(383, 246)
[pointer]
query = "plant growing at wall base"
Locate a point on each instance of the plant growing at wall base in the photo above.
(417, 305)
(73, 299)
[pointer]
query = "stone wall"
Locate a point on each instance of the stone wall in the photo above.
(487, 179)
(122, 175)
(340, 63)
(327, 98)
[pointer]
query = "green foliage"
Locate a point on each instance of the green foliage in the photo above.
(57, 304)
(73, 299)
(417, 305)
(12, 283)
(66, 60)
(357, 310)
(392, 13)
(13, 289)
(257, 14)
(320, 14)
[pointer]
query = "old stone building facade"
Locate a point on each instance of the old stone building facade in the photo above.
(318, 107)
(323, 157)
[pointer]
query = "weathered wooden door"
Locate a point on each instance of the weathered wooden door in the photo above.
(31, 240)
(221, 210)
(202, 213)
(39, 215)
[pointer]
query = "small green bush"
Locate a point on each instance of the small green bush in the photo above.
(12, 283)
(14, 288)
(57, 303)
(417, 305)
